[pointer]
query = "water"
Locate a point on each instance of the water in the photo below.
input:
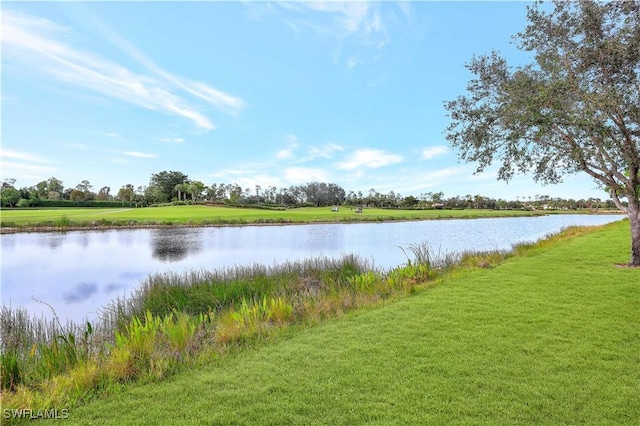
(80, 272)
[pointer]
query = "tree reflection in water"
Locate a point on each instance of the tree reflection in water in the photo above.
(172, 245)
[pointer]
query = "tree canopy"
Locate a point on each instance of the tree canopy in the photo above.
(574, 108)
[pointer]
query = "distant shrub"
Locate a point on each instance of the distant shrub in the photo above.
(69, 203)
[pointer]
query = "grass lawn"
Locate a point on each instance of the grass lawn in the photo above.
(550, 337)
(205, 214)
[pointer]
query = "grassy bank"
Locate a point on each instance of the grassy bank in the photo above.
(549, 336)
(35, 219)
(177, 320)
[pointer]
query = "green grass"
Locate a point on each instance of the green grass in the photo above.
(194, 215)
(548, 337)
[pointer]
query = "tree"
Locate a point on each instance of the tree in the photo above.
(9, 194)
(235, 192)
(575, 108)
(182, 189)
(163, 185)
(195, 188)
(125, 193)
(104, 193)
(55, 185)
(87, 190)
(77, 195)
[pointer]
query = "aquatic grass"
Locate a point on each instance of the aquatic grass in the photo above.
(364, 282)
(201, 291)
(139, 339)
(279, 311)
(10, 371)
(63, 222)
(180, 330)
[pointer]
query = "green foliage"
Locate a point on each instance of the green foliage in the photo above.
(179, 330)
(140, 336)
(62, 353)
(164, 184)
(279, 310)
(9, 196)
(365, 282)
(574, 110)
(63, 222)
(10, 370)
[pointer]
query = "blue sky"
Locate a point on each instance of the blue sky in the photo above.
(275, 94)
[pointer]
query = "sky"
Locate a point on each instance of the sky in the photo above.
(252, 93)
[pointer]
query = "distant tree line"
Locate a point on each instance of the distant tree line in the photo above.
(174, 187)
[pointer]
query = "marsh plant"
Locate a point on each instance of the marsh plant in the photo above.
(172, 318)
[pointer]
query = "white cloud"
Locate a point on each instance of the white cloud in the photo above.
(349, 26)
(138, 154)
(287, 153)
(23, 156)
(172, 140)
(325, 151)
(371, 158)
(440, 176)
(39, 45)
(16, 164)
(11, 168)
(284, 154)
(434, 151)
(351, 16)
(305, 174)
(79, 146)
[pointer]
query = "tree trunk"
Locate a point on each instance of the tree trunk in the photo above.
(634, 218)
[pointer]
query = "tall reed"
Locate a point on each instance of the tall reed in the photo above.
(162, 325)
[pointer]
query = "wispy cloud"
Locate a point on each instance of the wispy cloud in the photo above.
(42, 45)
(219, 99)
(138, 154)
(288, 152)
(310, 153)
(325, 151)
(429, 153)
(285, 154)
(172, 140)
(351, 17)
(369, 158)
(356, 29)
(79, 146)
(305, 174)
(18, 164)
(22, 156)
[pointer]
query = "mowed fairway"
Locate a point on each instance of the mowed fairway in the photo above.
(232, 215)
(550, 337)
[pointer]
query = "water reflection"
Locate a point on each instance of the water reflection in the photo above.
(114, 287)
(171, 246)
(80, 292)
(55, 240)
(79, 273)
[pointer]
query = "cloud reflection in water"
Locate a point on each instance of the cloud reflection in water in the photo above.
(80, 292)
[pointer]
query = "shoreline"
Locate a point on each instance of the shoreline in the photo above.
(131, 225)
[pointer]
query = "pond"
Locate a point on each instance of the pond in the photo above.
(79, 272)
